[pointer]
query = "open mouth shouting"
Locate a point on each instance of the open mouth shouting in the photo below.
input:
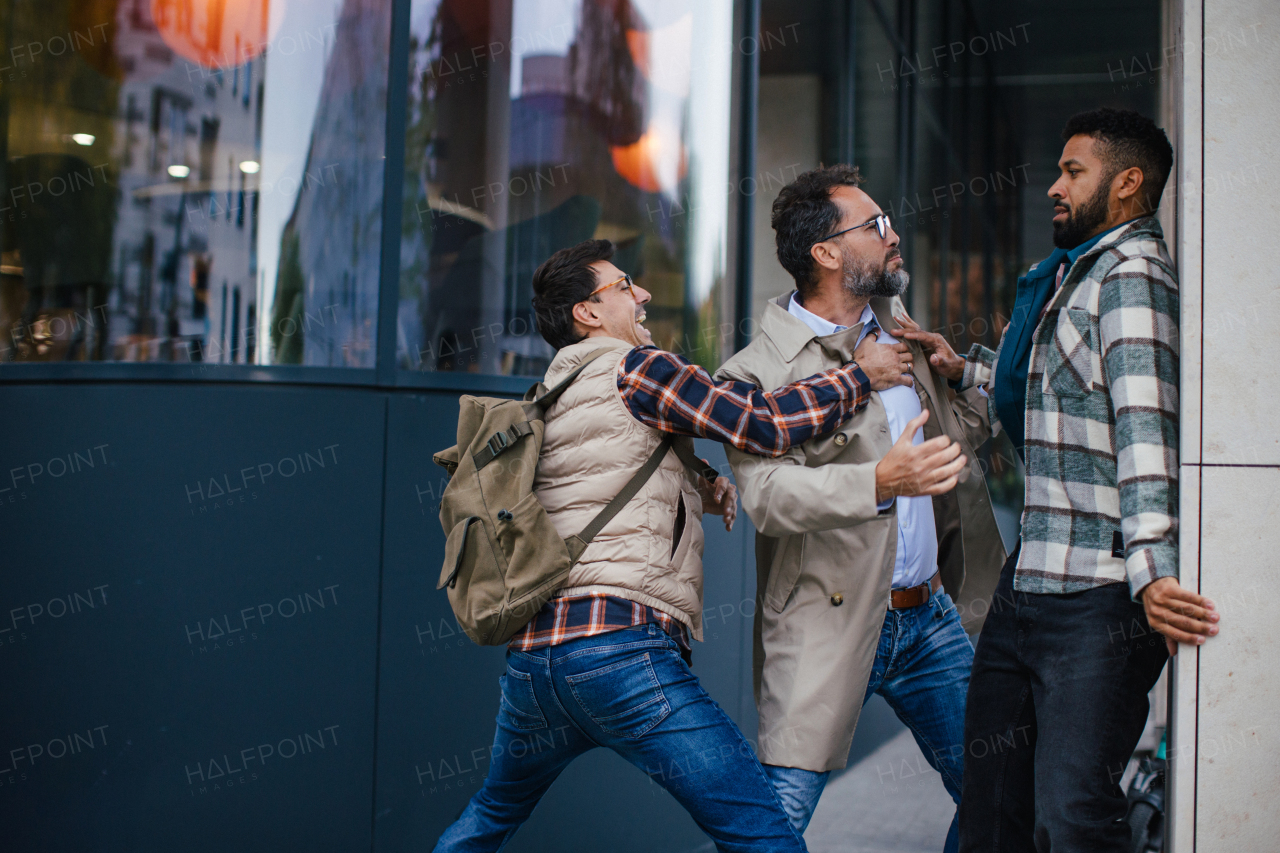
(641, 332)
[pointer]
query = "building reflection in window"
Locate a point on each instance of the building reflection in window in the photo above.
(192, 180)
(533, 125)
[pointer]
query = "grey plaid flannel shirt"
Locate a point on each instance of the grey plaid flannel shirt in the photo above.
(1101, 420)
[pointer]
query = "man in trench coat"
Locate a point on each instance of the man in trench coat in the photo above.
(865, 534)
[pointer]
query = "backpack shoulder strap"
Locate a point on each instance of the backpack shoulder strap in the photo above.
(684, 450)
(578, 544)
(548, 399)
(695, 466)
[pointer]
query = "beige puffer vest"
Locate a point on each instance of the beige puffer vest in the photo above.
(591, 447)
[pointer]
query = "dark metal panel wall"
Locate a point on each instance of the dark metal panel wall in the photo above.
(171, 680)
(189, 601)
(438, 690)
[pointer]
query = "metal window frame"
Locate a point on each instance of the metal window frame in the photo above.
(392, 189)
(748, 102)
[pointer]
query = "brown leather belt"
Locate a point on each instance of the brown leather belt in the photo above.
(914, 596)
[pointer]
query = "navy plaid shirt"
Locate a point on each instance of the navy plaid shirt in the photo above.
(563, 619)
(668, 393)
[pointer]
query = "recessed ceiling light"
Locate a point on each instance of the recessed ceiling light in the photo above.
(250, 167)
(179, 171)
(83, 138)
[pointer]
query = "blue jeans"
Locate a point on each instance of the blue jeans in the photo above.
(922, 670)
(630, 691)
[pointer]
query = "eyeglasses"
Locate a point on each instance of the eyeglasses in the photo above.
(881, 223)
(625, 287)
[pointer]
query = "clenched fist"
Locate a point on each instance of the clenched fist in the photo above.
(942, 358)
(886, 365)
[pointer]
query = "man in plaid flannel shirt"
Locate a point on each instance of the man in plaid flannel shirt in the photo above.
(1085, 383)
(607, 665)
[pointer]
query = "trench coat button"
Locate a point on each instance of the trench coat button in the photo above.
(841, 439)
(837, 599)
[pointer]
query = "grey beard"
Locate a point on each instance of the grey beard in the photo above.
(861, 281)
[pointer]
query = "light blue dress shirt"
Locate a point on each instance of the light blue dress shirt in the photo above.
(917, 557)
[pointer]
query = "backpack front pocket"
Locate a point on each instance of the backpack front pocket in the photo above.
(535, 565)
(473, 577)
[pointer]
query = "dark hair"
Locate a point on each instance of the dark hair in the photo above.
(1127, 139)
(564, 280)
(803, 213)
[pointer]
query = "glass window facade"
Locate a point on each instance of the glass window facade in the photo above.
(536, 124)
(202, 180)
(192, 180)
(952, 111)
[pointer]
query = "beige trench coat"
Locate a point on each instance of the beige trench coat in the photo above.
(819, 535)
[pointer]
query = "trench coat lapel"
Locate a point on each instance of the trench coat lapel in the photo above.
(791, 335)
(921, 373)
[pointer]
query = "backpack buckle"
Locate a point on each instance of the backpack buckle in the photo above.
(500, 442)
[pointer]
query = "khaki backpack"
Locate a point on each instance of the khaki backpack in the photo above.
(503, 558)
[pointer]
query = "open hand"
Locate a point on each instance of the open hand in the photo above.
(942, 358)
(1180, 614)
(908, 470)
(719, 498)
(886, 365)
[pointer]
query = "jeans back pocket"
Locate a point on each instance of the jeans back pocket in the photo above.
(519, 705)
(624, 699)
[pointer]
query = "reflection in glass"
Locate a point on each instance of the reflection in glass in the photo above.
(534, 125)
(192, 180)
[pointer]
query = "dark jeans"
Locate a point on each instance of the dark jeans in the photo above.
(632, 692)
(1057, 702)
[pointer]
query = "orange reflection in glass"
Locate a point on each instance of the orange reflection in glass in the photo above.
(213, 33)
(638, 47)
(655, 161)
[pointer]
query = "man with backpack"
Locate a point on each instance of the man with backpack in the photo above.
(604, 662)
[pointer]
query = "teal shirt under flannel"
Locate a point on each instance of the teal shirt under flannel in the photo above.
(1101, 421)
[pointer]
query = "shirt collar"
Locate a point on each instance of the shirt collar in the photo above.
(822, 326)
(791, 335)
